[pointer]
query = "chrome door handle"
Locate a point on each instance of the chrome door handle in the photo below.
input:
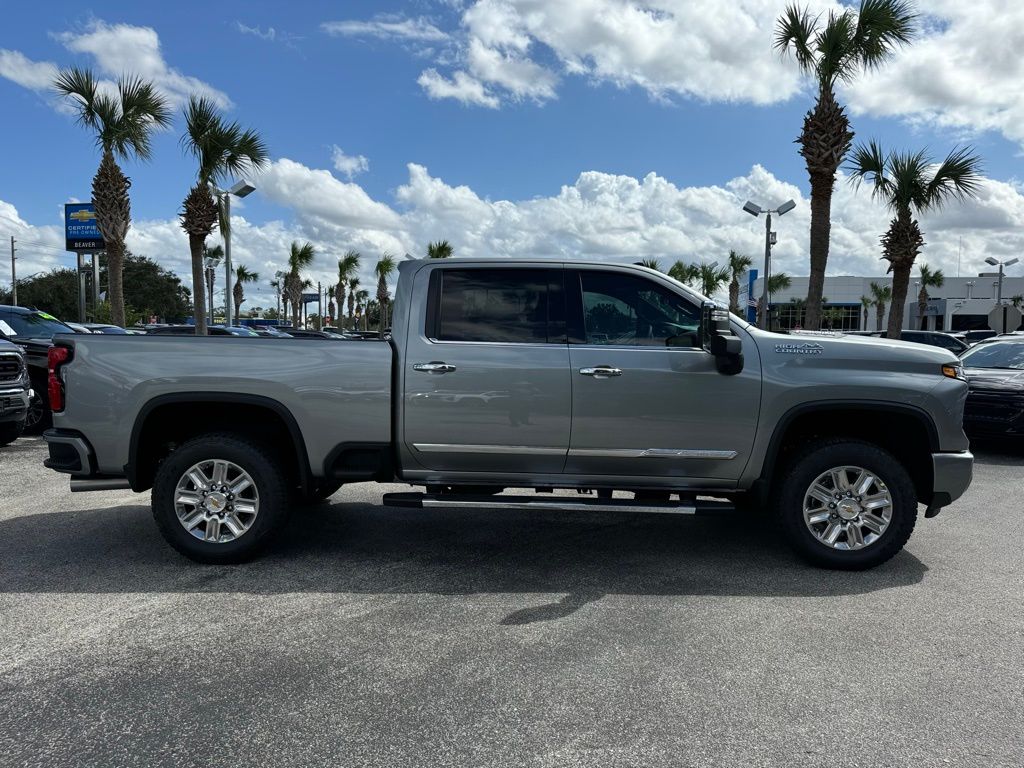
(435, 367)
(601, 371)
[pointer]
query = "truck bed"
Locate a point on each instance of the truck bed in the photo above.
(336, 391)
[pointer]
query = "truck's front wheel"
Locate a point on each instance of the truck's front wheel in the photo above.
(218, 499)
(847, 504)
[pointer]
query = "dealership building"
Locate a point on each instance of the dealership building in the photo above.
(961, 304)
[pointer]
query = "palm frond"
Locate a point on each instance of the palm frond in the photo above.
(79, 85)
(222, 149)
(385, 266)
(882, 27)
(651, 264)
(793, 33)
(836, 51)
(868, 162)
(957, 178)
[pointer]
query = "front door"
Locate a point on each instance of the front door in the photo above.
(487, 384)
(647, 400)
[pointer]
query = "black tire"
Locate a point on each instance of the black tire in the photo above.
(10, 431)
(39, 417)
(818, 457)
(268, 479)
(320, 491)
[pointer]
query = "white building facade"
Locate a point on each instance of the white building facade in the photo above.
(961, 304)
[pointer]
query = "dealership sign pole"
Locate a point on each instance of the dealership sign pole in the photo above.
(82, 236)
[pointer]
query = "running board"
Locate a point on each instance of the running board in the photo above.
(553, 503)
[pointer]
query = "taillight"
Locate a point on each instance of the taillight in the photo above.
(56, 357)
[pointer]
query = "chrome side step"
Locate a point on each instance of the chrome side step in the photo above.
(552, 503)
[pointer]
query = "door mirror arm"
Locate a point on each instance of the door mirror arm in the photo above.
(719, 340)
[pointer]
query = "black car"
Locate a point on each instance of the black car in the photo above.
(33, 331)
(190, 330)
(931, 338)
(995, 378)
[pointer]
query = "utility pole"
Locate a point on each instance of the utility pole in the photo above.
(762, 321)
(227, 258)
(14, 277)
(319, 305)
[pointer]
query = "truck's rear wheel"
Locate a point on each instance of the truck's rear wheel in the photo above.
(847, 504)
(218, 499)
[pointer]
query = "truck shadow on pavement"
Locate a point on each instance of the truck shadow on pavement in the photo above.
(362, 548)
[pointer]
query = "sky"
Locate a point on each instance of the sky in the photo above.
(583, 129)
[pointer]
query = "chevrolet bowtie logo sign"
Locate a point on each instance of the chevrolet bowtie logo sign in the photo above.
(80, 231)
(82, 215)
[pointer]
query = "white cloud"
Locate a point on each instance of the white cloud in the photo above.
(350, 165)
(35, 75)
(703, 50)
(116, 49)
(123, 48)
(388, 27)
(270, 34)
(966, 73)
(461, 87)
(599, 216)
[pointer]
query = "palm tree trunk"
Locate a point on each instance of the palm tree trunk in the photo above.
(113, 216)
(821, 228)
(239, 294)
(879, 315)
(900, 286)
(824, 141)
(900, 245)
(734, 295)
(922, 307)
(195, 247)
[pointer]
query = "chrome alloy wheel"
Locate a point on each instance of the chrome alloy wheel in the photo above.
(216, 501)
(847, 508)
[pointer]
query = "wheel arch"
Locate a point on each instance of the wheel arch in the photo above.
(181, 416)
(904, 430)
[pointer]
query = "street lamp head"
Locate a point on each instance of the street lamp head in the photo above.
(992, 261)
(753, 210)
(786, 207)
(1010, 263)
(242, 188)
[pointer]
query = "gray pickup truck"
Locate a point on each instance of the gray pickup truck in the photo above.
(536, 375)
(15, 392)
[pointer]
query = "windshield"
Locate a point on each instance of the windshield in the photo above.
(33, 325)
(998, 355)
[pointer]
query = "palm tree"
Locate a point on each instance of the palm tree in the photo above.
(242, 276)
(348, 265)
(440, 250)
(278, 284)
(687, 274)
(910, 184)
(738, 264)
(799, 306)
(865, 303)
(385, 267)
(122, 124)
(929, 279)
(362, 298)
(831, 50)
(1017, 301)
(651, 264)
(299, 258)
(331, 306)
(353, 284)
(881, 295)
(222, 149)
(780, 281)
(712, 278)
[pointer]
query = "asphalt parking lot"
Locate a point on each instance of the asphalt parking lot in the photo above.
(372, 636)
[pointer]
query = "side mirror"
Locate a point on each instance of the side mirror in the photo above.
(720, 341)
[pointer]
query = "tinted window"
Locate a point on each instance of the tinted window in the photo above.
(627, 310)
(500, 305)
(35, 325)
(996, 355)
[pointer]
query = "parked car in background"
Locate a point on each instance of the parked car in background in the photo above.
(995, 380)
(33, 331)
(114, 330)
(931, 338)
(14, 392)
(190, 330)
(77, 327)
(270, 332)
(973, 337)
(302, 333)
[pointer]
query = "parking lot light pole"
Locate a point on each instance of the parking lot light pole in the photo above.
(240, 188)
(769, 240)
(999, 286)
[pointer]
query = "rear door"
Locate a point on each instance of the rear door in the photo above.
(486, 371)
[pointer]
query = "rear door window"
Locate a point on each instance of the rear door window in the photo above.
(507, 306)
(628, 310)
